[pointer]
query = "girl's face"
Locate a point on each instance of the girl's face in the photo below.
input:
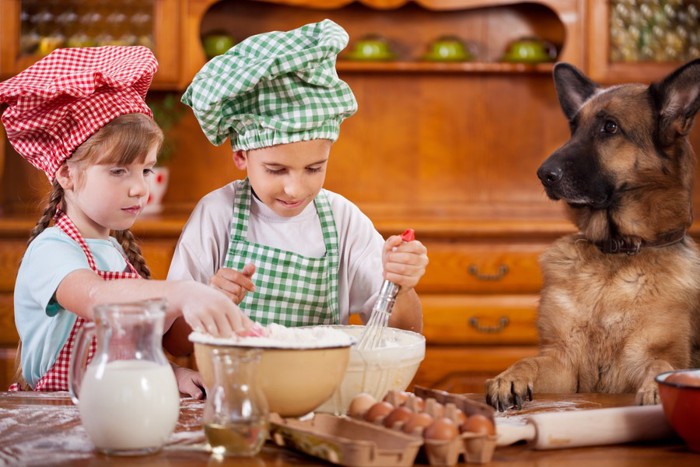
(104, 197)
(286, 177)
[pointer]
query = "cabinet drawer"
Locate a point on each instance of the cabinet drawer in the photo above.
(482, 268)
(11, 252)
(466, 369)
(482, 319)
(8, 331)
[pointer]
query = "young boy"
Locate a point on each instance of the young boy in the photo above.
(278, 244)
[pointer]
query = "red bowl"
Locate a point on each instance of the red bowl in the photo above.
(680, 397)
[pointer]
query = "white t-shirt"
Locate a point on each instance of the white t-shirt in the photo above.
(43, 325)
(203, 245)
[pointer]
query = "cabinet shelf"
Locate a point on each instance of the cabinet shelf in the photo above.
(461, 67)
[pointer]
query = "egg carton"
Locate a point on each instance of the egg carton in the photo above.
(352, 442)
(345, 441)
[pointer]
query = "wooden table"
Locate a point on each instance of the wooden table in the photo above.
(45, 429)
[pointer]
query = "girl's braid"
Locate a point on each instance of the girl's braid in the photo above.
(133, 252)
(55, 198)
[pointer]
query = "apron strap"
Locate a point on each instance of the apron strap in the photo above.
(63, 222)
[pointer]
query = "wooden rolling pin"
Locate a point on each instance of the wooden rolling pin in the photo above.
(597, 427)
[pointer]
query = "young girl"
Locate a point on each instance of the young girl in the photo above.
(277, 243)
(80, 116)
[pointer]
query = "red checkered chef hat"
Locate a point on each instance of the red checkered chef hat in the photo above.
(64, 98)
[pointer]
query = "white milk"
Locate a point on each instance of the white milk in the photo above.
(132, 405)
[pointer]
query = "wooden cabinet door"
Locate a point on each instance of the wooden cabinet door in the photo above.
(166, 40)
(634, 27)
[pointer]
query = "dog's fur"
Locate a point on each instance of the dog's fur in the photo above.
(620, 299)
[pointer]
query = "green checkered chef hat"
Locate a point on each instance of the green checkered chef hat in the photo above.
(274, 88)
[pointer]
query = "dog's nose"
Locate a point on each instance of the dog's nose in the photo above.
(549, 175)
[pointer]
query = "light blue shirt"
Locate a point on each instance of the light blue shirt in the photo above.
(43, 325)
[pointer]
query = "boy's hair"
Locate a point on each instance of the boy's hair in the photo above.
(124, 140)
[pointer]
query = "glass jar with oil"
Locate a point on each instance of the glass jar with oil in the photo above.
(235, 416)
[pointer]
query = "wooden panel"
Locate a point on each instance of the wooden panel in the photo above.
(11, 252)
(158, 254)
(482, 267)
(7, 366)
(470, 320)
(465, 369)
(8, 331)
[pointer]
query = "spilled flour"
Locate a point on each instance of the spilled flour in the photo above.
(50, 432)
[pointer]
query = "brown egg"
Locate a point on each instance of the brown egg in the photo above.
(378, 411)
(360, 404)
(398, 415)
(396, 398)
(478, 423)
(415, 403)
(442, 429)
(434, 408)
(417, 423)
(455, 414)
(686, 379)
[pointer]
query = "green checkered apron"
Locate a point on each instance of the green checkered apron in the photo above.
(290, 289)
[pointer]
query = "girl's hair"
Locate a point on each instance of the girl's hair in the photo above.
(124, 140)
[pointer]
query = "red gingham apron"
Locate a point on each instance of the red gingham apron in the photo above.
(56, 379)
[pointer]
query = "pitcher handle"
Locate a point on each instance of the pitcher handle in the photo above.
(78, 359)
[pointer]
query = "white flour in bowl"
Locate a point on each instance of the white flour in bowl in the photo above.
(281, 337)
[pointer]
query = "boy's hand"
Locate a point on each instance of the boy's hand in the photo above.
(234, 284)
(404, 262)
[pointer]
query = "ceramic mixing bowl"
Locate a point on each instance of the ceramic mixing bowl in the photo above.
(390, 366)
(680, 398)
(448, 49)
(295, 379)
(530, 50)
(371, 47)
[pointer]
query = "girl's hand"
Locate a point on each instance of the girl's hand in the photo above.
(234, 284)
(208, 310)
(189, 382)
(404, 262)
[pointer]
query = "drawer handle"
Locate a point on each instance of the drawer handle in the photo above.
(473, 269)
(502, 324)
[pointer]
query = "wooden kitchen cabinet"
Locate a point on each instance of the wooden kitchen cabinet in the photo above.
(643, 41)
(32, 28)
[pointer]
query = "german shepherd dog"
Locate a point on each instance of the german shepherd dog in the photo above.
(620, 298)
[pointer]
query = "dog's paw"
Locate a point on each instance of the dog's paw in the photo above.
(503, 392)
(648, 395)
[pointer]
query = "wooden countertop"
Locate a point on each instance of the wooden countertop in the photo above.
(45, 429)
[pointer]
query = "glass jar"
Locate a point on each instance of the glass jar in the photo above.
(127, 395)
(235, 416)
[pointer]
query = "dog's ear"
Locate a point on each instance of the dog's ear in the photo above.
(573, 88)
(677, 100)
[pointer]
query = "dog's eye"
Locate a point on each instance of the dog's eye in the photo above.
(610, 127)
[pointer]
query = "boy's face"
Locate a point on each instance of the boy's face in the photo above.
(286, 177)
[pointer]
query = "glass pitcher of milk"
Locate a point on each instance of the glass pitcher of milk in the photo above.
(127, 395)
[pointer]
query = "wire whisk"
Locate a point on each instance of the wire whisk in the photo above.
(379, 319)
